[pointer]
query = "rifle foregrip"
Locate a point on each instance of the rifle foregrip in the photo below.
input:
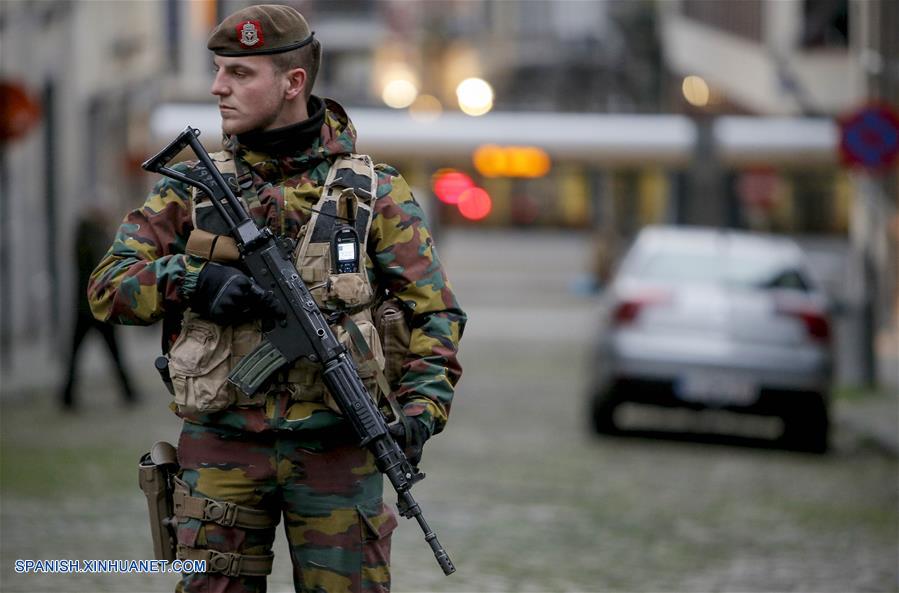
(352, 397)
(257, 366)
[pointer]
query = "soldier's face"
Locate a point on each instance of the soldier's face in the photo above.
(251, 94)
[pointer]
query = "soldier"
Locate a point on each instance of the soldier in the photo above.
(245, 462)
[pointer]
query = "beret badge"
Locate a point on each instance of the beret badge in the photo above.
(249, 33)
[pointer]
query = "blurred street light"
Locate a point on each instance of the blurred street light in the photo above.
(475, 96)
(511, 161)
(394, 74)
(449, 184)
(475, 203)
(399, 93)
(696, 91)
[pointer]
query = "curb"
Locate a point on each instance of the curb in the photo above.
(875, 420)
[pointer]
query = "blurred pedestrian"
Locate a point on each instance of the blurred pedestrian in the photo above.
(92, 237)
(286, 451)
(607, 249)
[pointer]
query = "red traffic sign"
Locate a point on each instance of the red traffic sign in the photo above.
(19, 111)
(869, 137)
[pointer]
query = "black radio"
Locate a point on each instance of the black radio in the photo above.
(345, 250)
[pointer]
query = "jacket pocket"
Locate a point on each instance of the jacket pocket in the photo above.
(199, 363)
(377, 523)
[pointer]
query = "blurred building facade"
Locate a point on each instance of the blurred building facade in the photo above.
(86, 65)
(805, 58)
(101, 70)
(783, 58)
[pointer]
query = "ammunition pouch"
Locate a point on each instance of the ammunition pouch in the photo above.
(156, 472)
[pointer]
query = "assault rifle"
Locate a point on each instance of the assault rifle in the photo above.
(302, 332)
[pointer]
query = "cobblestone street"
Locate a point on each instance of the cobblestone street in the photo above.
(521, 494)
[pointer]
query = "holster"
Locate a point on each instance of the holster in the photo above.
(156, 472)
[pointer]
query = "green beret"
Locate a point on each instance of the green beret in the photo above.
(258, 30)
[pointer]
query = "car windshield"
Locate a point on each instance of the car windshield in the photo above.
(711, 268)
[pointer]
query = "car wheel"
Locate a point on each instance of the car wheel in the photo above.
(603, 413)
(807, 425)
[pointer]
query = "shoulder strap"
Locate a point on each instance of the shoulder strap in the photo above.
(224, 162)
(208, 239)
(351, 184)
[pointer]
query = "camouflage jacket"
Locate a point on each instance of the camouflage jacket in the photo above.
(146, 275)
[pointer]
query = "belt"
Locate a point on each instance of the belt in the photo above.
(223, 513)
(229, 563)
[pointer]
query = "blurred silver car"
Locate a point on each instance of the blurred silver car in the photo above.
(705, 318)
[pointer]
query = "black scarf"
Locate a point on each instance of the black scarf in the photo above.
(289, 139)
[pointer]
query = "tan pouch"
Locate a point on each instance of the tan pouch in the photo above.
(199, 363)
(395, 337)
(348, 290)
(367, 372)
(313, 269)
(370, 333)
(212, 247)
(313, 389)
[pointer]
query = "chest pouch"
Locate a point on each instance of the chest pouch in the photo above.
(332, 255)
(331, 258)
(199, 363)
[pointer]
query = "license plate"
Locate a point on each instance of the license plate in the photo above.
(717, 389)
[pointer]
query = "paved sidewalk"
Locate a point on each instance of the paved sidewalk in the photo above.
(874, 416)
(875, 413)
(41, 367)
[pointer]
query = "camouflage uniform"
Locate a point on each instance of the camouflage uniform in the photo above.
(287, 456)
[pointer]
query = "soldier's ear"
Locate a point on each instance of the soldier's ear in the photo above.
(296, 83)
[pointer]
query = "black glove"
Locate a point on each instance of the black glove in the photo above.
(227, 296)
(413, 441)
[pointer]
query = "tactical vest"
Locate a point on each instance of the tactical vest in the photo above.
(204, 353)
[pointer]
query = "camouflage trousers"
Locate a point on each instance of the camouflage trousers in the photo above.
(337, 526)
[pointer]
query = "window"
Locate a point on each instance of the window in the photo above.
(825, 23)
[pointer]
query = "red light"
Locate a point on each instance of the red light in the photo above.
(815, 321)
(475, 203)
(450, 184)
(816, 324)
(627, 310)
